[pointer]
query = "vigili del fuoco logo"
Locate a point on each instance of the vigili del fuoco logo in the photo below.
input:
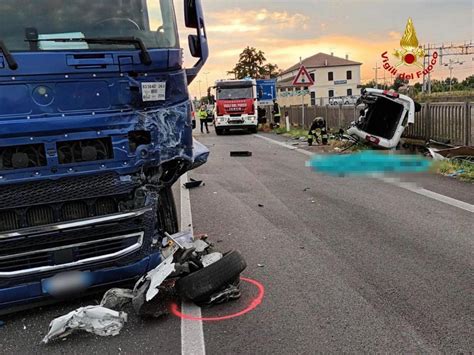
(410, 55)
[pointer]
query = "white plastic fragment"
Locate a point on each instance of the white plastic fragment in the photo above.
(210, 259)
(158, 276)
(94, 319)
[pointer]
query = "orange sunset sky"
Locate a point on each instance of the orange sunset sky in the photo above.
(362, 29)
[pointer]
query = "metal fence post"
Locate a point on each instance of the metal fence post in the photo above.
(428, 121)
(468, 124)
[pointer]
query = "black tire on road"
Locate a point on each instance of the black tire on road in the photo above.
(219, 131)
(166, 211)
(253, 130)
(202, 284)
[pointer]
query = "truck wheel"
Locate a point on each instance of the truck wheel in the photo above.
(201, 284)
(219, 131)
(166, 211)
(253, 130)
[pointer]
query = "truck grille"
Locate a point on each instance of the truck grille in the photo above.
(85, 251)
(22, 157)
(71, 152)
(63, 190)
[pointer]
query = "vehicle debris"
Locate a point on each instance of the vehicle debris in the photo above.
(94, 319)
(229, 293)
(241, 154)
(190, 270)
(462, 153)
(193, 184)
(117, 298)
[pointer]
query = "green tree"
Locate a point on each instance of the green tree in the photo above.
(468, 83)
(252, 64)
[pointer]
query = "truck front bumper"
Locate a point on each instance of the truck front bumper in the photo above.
(32, 293)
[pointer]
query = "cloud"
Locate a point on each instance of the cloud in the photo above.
(237, 20)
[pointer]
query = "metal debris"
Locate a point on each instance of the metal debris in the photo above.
(94, 319)
(117, 298)
(210, 259)
(232, 292)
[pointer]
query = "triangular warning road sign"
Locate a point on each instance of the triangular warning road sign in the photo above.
(303, 78)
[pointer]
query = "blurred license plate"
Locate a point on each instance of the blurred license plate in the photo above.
(236, 121)
(67, 283)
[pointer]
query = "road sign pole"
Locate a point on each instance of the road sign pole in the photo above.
(302, 110)
(303, 79)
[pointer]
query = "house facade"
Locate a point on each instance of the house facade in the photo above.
(333, 77)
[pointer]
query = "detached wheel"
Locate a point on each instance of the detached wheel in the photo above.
(202, 284)
(166, 211)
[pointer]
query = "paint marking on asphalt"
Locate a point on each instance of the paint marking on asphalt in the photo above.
(393, 181)
(192, 333)
(427, 193)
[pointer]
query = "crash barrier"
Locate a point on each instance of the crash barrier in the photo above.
(445, 121)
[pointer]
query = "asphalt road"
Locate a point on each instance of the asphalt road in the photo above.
(348, 265)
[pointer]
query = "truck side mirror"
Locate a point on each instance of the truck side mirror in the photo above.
(190, 14)
(194, 46)
(198, 46)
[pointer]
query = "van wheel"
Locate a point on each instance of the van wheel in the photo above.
(200, 285)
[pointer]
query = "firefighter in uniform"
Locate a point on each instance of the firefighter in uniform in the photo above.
(276, 114)
(319, 124)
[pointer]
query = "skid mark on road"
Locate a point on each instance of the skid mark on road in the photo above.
(392, 181)
(192, 333)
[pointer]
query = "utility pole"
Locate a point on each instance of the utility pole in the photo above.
(207, 83)
(451, 65)
(200, 95)
(376, 75)
(302, 100)
(466, 48)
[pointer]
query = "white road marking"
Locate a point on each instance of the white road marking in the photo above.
(427, 193)
(192, 333)
(392, 181)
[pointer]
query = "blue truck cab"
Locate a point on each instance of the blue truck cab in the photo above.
(95, 128)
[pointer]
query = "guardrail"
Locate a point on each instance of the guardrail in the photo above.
(446, 121)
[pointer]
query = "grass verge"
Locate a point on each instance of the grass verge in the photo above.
(463, 171)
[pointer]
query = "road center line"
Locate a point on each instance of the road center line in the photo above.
(392, 181)
(192, 333)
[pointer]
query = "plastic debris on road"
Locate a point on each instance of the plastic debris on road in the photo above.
(94, 319)
(368, 163)
(157, 276)
(117, 298)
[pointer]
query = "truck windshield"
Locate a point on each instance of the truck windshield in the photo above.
(153, 21)
(234, 93)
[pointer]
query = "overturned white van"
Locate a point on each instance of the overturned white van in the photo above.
(384, 118)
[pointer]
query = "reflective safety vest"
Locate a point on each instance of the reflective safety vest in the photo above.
(202, 114)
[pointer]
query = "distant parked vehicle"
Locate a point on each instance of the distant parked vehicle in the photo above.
(343, 100)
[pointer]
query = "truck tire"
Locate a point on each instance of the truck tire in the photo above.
(201, 284)
(219, 131)
(166, 211)
(253, 130)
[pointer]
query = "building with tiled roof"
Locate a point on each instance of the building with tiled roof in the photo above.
(333, 77)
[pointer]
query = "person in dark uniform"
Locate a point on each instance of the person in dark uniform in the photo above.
(318, 124)
(276, 113)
